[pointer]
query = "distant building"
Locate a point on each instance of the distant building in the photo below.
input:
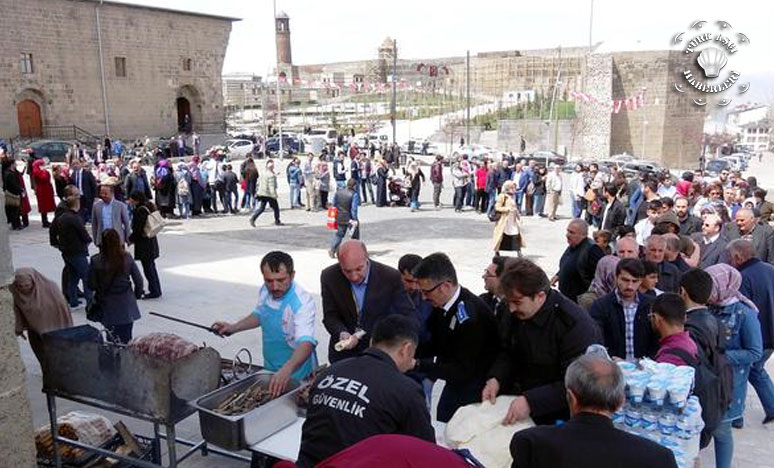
(746, 114)
(109, 67)
(756, 136)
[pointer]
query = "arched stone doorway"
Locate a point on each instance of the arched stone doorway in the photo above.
(184, 121)
(189, 108)
(29, 118)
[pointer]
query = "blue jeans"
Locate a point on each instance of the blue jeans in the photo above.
(724, 445)
(78, 270)
(538, 202)
(761, 382)
(577, 207)
(184, 206)
(248, 201)
(519, 198)
(295, 193)
(341, 183)
(492, 200)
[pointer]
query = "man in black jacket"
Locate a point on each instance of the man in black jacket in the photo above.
(463, 335)
(668, 274)
(622, 315)
(545, 333)
(614, 215)
(689, 223)
(595, 390)
(137, 181)
(356, 292)
(72, 239)
(579, 261)
(368, 395)
(82, 178)
(761, 235)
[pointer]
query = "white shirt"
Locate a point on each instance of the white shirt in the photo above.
(643, 230)
(453, 299)
(554, 182)
(709, 240)
(578, 185)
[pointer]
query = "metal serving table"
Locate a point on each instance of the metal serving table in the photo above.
(80, 366)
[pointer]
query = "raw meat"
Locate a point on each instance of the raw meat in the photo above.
(164, 346)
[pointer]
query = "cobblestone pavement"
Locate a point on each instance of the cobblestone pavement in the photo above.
(209, 271)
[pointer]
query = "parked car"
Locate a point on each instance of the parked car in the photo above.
(240, 148)
(290, 145)
(737, 160)
(622, 158)
(471, 150)
(55, 150)
(545, 156)
(634, 168)
(715, 166)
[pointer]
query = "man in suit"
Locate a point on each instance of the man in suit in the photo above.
(614, 215)
(622, 315)
(712, 243)
(356, 292)
(545, 331)
(758, 286)
(109, 213)
(492, 297)
(87, 187)
(463, 335)
(595, 390)
(137, 181)
(747, 227)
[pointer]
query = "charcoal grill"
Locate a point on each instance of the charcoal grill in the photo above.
(80, 366)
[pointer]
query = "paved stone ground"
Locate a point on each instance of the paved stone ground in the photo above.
(209, 271)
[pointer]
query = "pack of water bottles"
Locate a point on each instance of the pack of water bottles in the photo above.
(659, 406)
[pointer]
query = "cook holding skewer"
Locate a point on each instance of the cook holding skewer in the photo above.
(286, 314)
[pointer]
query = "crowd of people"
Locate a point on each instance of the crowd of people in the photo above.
(678, 272)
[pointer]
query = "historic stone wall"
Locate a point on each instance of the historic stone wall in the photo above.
(61, 35)
(594, 124)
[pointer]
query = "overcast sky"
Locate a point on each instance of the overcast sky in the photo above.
(340, 30)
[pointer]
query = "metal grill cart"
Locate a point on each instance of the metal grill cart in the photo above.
(80, 366)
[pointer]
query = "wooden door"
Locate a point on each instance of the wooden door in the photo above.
(30, 123)
(183, 111)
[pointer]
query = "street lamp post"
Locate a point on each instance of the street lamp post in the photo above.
(644, 131)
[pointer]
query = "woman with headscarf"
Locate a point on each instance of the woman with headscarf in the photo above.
(24, 209)
(382, 173)
(109, 278)
(13, 193)
(507, 231)
(164, 185)
(44, 190)
(39, 307)
(743, 343)
(146, 249)
(603, 282)
(183, 191)
(197, 186)
(415, 178)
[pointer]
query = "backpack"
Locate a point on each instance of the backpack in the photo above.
(182, 187)
(713, 385)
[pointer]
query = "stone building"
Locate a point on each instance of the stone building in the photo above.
(109, 68)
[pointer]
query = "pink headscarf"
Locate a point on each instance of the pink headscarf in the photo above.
(604, 276)
(725, 286)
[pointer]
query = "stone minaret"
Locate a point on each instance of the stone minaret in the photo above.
(282, 33)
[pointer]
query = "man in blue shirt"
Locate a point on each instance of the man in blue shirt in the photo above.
(286, 314)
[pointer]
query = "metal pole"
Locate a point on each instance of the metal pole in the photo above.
(467, 118)
(279, 98)
(553, 98)
(102, 72)
(591, 23)
(394, 89)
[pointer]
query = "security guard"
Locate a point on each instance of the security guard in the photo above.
(367, 395)
(463, 335)
(545, 334)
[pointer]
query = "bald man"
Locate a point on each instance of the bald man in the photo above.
(748, 227)
(356, 292)
(579, 261)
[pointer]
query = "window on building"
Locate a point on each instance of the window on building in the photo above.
(187, 64)
(121, 67)
(26, 63)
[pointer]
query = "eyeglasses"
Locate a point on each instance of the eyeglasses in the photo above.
(428, 291)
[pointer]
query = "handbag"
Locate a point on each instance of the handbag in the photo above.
(154, 223)
(11, 199)
(332, 213)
